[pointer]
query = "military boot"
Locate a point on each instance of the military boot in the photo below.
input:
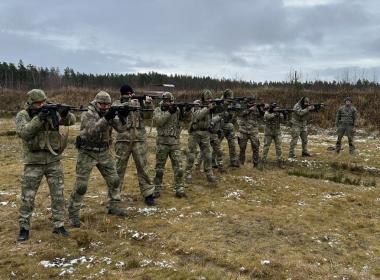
(221, 169)
(23, 235)
(74, 222)
(211, 178)
(280, 164)
(117, 212)
(149, 200)
(180, 194)
(306, 154)
(61, 231)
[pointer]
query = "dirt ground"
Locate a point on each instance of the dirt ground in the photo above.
(316, 219)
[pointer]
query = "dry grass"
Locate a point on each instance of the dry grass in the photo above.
(253, 225)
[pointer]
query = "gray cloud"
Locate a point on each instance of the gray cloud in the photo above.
(256, 39)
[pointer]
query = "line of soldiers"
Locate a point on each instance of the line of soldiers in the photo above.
(211, 120)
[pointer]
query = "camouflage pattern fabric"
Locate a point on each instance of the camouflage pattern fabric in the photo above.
(199, 135)
(272, 132)
(39, 162)
(299, 129)
(132, 141)
(96, 135)
(168, 145)
(249, 131)
(346, 118)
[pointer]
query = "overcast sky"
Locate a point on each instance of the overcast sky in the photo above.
(241, 39)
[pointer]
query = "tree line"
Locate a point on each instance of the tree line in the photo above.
(21, 77)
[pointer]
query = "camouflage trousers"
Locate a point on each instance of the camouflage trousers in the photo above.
(162, 154)
(296, 132)
(86, 161)
(201, 139)
(276, 137)
(138, 151)
(31, 180)
(243, 139)
(229, 134)
(216, 155)
(348, 131)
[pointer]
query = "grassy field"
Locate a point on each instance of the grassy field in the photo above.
(316, 219)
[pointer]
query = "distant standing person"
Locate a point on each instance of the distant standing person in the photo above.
(299, 126)
(42, 149)
(229, 121)
(346, 119)
(272, 131)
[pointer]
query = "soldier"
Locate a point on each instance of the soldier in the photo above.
(199, 135)
(299, 126)
(249, 131)
(229, 119)
(43, 145)
(93, 145)
(272, 131)
(345, 122)
(133, 142)
(167, 118)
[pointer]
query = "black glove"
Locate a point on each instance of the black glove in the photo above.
(64, 111)
(110, 114)
(172, 109)
(43, 114)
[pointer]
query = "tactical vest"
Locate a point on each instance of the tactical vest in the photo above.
(45, 137)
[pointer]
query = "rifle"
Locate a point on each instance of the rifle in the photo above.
(285, 112)
(318, 106)
(122, 111)
(141, 98)
(52, 108)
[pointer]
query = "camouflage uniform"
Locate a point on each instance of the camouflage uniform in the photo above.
(249, 131)
(228, 128)
(39, 161)
(299, 127)
(168, 145)
(215, 136)
(93, 145)
(345, 122)
(199, 135)
(272, 132)
(133, 142)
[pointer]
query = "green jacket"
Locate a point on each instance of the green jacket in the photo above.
(300, 115)
(200, 119)
(249, 121)
(134, 129)
(95, 130)
(272, 122)
(168, 126)
(346, 116)
(37, 135)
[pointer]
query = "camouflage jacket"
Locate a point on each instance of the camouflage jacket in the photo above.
(272, 122)
(37, 135)
(216, 124)
(168, 126)
(248, 121)
(300, 115)
(346, 115)
(134, 128)
(95, 130)
(200, 119)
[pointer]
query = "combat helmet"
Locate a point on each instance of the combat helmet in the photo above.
(206, 94)
(228, 94)
(35, 95)
(103, 97)
(168, 96)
